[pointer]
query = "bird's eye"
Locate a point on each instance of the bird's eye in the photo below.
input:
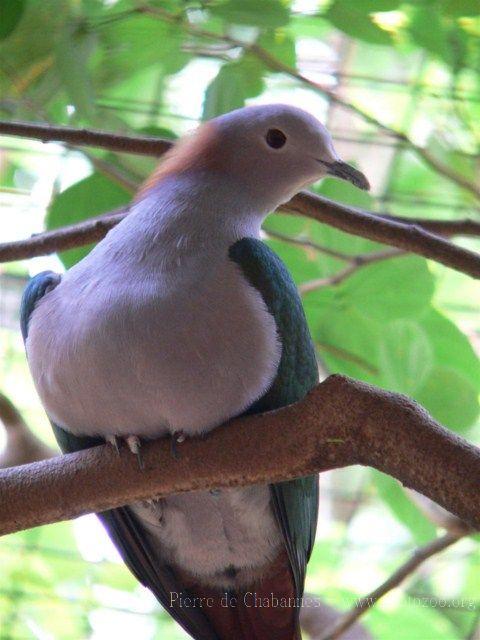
(275, 138)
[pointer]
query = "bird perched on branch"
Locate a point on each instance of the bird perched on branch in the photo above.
(177, 321)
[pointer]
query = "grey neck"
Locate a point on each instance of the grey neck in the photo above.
(185, 217)
(192, 210)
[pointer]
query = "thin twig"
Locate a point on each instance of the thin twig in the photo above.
(346, 355)
(356, 263)
(115, 174)
(309, 244)
(418, 557)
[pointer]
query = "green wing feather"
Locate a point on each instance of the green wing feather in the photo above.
(295, 501)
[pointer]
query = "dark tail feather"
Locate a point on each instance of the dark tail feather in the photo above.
(269, 611)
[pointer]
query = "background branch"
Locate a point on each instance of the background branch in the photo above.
(355, 263)
(381, 229)
(419, 556)
(341, 422)
(22, 445)
(141, 145)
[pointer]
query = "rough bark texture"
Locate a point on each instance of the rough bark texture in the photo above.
(341, 422)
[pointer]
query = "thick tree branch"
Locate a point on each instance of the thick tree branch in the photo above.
(382, 229)
(418, 557)
(342, 422)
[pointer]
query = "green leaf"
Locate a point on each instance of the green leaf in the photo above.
(280, 46)
(89, 197)
(404, 509)
(301, 265)
(350, 19)
(405, 356)
(32, 41)
(11, 13)
(270, 13)
(372, 6)
(394, 288)
(462, 163)
(346, 341)
(451, 347)
(461, 8)
(450, 397)
(234, 83)
(73, 48)
(130, 46)
(408, 620)
(427, 31)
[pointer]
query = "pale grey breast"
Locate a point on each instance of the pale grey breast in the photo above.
(120, 352)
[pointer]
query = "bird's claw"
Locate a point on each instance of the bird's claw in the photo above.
(177, 437)
(113, 440)
(132, 442)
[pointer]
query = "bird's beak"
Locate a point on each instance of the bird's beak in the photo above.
(345, 171)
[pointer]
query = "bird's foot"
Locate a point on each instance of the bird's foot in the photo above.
(132, 442)
(113, 440)
(177, 437)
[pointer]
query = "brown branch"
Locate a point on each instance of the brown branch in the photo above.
(141, 145)
(382, 229)
(22, 445)
(464, 227)
(418, 557)
(341, 422)
(348, 356)
(316, 616)
(75, 235)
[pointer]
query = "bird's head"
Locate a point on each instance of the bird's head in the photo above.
(269, 151)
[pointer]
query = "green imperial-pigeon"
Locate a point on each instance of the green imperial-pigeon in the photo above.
(180, 319)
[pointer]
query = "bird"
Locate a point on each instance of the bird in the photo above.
(180, 319)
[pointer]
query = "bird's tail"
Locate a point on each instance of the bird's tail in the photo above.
(268, 611)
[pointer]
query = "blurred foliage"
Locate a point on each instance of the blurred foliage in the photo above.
(399, 323)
